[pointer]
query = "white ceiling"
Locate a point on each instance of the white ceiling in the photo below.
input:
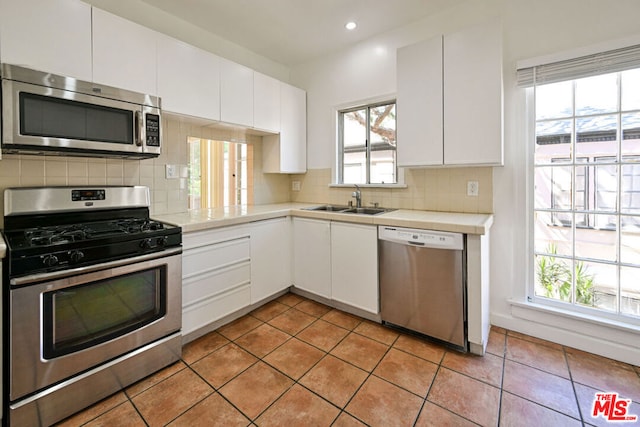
(294, 31)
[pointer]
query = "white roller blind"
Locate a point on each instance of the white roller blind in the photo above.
(585, 66)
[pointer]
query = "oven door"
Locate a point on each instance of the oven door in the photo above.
(50, 120)
(65, 325)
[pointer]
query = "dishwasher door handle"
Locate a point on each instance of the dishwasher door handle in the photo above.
(415, 243)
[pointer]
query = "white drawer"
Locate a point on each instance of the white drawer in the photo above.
(212, 237)
(208, 258)
(209, 310)
(206, 285)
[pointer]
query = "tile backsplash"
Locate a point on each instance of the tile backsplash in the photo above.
(167, 195)
(439, 189)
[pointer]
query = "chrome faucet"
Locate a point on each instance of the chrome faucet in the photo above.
(358, 195)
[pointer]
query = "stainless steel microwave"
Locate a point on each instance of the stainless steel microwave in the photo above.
(43, 113)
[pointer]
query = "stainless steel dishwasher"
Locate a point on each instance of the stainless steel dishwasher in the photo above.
(423, 282)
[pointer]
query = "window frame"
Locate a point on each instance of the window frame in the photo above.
(340, 152)
(620, 160)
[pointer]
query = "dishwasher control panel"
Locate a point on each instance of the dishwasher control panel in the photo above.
(426, 238)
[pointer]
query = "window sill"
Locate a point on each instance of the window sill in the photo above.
(369, 185)
(540, 312)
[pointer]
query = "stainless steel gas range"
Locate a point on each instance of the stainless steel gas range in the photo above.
(92, 297)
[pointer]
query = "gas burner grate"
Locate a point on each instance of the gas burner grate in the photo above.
(140, 225)
(53, 236)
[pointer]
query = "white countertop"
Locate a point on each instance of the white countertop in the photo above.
(197, 220)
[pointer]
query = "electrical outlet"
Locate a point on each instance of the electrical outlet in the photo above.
(295, 185)
(472, 188)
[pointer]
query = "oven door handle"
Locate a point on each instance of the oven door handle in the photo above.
(41, 277)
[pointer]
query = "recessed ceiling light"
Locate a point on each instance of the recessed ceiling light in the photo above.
(350, 25)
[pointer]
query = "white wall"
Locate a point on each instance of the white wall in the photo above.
(531, 29)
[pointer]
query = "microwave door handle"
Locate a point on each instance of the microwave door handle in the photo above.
(138, 128)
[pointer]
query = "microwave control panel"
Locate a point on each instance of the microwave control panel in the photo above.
(152, 128)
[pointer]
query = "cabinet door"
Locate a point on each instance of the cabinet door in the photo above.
(266, 103)
(473, 95)
(270, 257)
(188, 79)
(354, 265)
(312, 256)
(293, 131)
(287, 152)
(124, 53)
(50, 36)
(236, 93)
(419, 104)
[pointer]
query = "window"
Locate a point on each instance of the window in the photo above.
(586, 185)
(220, 173)
(367, 144)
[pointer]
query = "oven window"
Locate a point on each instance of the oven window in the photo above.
(80, 317)
(63, 118)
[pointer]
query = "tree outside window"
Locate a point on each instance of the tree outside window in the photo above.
(367, 144)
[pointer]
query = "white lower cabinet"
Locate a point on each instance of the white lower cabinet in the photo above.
(228, 269)
(216, 275)
(337, 261)
(270, 257)
(312, 256)
(354, 265)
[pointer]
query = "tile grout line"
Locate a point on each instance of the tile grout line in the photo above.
(217, 390)
(573, 384)
(545, 372)
(294, 380)
(504, 364)
(369, 374)
(195, 403)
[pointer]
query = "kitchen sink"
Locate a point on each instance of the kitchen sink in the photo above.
(367, 211)
(349, 209)
(329, 208)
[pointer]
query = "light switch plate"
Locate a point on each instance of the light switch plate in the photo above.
(295, 185)
(172, 171)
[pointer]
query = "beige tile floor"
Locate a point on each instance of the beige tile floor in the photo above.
(294, 362)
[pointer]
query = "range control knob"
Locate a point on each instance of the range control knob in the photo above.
(76, 256)
(146, 244)
(50, 260)
(162, 241)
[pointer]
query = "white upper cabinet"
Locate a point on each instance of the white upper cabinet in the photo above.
(188, 79)
(236, 93)
(419, 104)
(124, 53)
(266, 103)
(455, 81)
(293, 129)
(287, 152)
(50, 36)
(473, 96)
